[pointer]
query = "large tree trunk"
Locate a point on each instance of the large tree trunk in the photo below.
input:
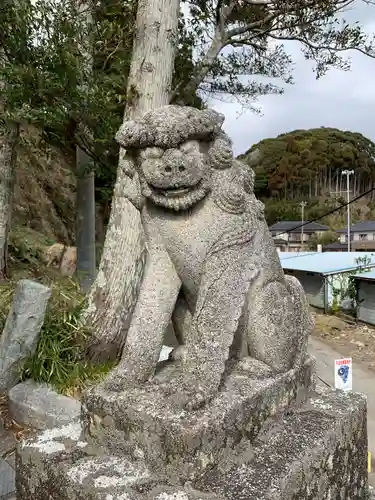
(114, 294)
(9, 134)
(8, 141)
(85, 195)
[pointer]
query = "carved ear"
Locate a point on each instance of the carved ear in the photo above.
(221, 152)
(127, 163)
(132, 133)
(210, 115)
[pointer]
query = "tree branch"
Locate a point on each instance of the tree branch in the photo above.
(240, 30)
(313, 46)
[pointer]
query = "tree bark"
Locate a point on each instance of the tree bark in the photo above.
(9, 134)
(8, 141)
(114, 294)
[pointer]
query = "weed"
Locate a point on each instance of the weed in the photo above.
(58, 359)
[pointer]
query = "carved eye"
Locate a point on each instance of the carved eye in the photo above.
(151, 153)
(190, 147)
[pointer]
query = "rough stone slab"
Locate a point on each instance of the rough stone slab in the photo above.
(172, 438)
(317, 453)
(21, 331)
(7, 479)
(7, 443)
(40, 407)
(58, 465)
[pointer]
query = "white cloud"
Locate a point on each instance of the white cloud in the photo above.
(344, 100)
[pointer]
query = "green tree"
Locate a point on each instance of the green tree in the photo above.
(236, 42)
(307, 164)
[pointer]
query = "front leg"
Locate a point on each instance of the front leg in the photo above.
(152, 314)
(222, 295)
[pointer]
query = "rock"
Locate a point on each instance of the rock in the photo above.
(189, 442)
(316, 453)
(22, 328)
(62, 257)
(68, 262)
(358, 343)
(40, 407)
(7, 479)
(53, 254)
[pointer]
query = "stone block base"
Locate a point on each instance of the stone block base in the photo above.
(174, 439)
(40, 407)
(318, 452)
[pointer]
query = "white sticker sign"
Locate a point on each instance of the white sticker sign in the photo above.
(344, 374)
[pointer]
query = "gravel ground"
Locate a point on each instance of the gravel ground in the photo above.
(349, 338)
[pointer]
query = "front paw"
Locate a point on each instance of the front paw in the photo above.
(130, 189)
(120, 378)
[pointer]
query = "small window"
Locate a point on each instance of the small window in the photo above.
(363, 236)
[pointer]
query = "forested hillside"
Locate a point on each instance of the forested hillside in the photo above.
(307, 165)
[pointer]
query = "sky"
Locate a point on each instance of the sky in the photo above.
(344, 100)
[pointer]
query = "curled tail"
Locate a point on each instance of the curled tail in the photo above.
(304, 319)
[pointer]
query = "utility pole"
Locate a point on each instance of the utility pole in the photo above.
(348, 173)
(303, 204)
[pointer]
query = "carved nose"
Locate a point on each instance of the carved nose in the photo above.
(168, 168)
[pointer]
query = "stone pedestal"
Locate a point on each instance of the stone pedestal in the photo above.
(172, 439)
(274, 438)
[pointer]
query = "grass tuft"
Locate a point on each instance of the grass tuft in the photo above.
(58, 359)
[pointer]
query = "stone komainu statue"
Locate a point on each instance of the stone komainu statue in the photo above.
(232, 300)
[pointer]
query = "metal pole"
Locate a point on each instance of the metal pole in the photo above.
(348, 173)
(303, 204)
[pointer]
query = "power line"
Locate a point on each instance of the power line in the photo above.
(362, 195)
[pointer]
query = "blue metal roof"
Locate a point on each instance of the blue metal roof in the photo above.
(370, 275)
(325, 262)
(291, 255)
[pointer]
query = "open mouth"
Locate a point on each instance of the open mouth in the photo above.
(176, 192)
(176, 199)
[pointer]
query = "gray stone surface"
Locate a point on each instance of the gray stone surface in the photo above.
(232, 299)
(316, 453)
(174, 439)
(22, 328)
(7, 479)
(40, 407)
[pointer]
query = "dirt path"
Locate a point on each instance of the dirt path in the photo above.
(363, 382)
(347, 337)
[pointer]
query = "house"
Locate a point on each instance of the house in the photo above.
(362, 238)
(337, 246)
(320, 273)
(287, 235)
(365, 285)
